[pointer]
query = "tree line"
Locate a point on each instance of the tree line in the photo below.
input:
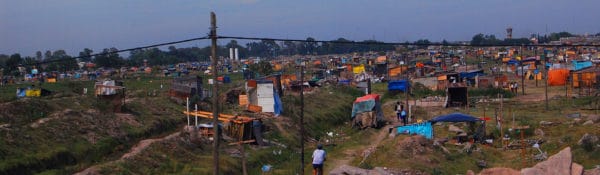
(481, 39)
(59, 60)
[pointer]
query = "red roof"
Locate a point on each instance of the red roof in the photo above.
(367, 97)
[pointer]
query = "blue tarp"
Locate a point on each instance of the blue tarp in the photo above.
(278, 104)
(398, 85)
(20, 92)
(364, 106)
(344, 82)
(367, 103)
(455, 117)
(471, 74)
(578, 65)
(423, 129)
(513, 61)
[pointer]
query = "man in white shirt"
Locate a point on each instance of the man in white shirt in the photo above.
(318, 159)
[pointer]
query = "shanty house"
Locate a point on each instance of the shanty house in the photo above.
(182, 88)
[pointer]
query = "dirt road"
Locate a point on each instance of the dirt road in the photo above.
(135, 150)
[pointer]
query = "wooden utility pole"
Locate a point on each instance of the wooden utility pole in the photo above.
(407, 88)
(243, 154)
(536, 68)
(545, 78)
(215, 95)
(522, 72)
(302, 118)
(501, 117)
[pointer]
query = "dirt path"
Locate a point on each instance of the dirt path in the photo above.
(135, 150)
(144, 144)
(350, 154)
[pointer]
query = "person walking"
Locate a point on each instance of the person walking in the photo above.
(319, 157)
(398, 110)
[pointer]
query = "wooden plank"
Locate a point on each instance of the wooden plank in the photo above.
(222, 117)
(242, 142)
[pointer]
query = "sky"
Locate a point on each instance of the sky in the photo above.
(27, 26)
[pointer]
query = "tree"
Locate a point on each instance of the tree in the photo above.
(85, 55)
(47, 55)
(263, 68)
(39, 56)
(422, 43)
(61, 61)
(272, 47)
(13, 63)
(477, 39)
(29, 62)
(3, 59)
(109, 58)
(309, 47)
(290, 47)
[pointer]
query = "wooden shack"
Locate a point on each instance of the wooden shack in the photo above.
(237, 127)
(111, 91)
(182, 88)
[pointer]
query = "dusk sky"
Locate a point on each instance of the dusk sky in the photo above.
(27, 26)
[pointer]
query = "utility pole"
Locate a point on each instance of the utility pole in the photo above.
(545, 78)
(407, 88)
(522, 72)
(215, 98)
(535, 64)
(302, 118)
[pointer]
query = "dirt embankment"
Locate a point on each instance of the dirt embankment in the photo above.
(134, 151)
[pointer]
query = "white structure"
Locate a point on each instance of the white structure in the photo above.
(265, 96)
(231, 54)
(237, 56)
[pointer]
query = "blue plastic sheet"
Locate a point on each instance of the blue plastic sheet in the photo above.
(278, 104)
(425, 129)
(20, 92)
(578, 65)
(398, 85)
(471, 74)
(455, 117)
(344, 82)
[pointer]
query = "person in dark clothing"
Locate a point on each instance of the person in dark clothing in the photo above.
(398, 110)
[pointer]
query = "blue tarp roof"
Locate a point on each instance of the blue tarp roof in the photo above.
(401, 85)
(471, 74)
(455, 117)
(513, 61)
(578, 65)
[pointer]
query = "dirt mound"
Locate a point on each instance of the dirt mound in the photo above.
(414, 145)
(560, 163)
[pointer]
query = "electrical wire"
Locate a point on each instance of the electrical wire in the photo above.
(323, 41)
(122, 50)
(408, 43)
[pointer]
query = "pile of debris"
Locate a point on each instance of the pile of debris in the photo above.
(414, 145)
(560, 163)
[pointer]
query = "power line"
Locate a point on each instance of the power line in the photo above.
(323, 41)
(408, 43)
(123, 50)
